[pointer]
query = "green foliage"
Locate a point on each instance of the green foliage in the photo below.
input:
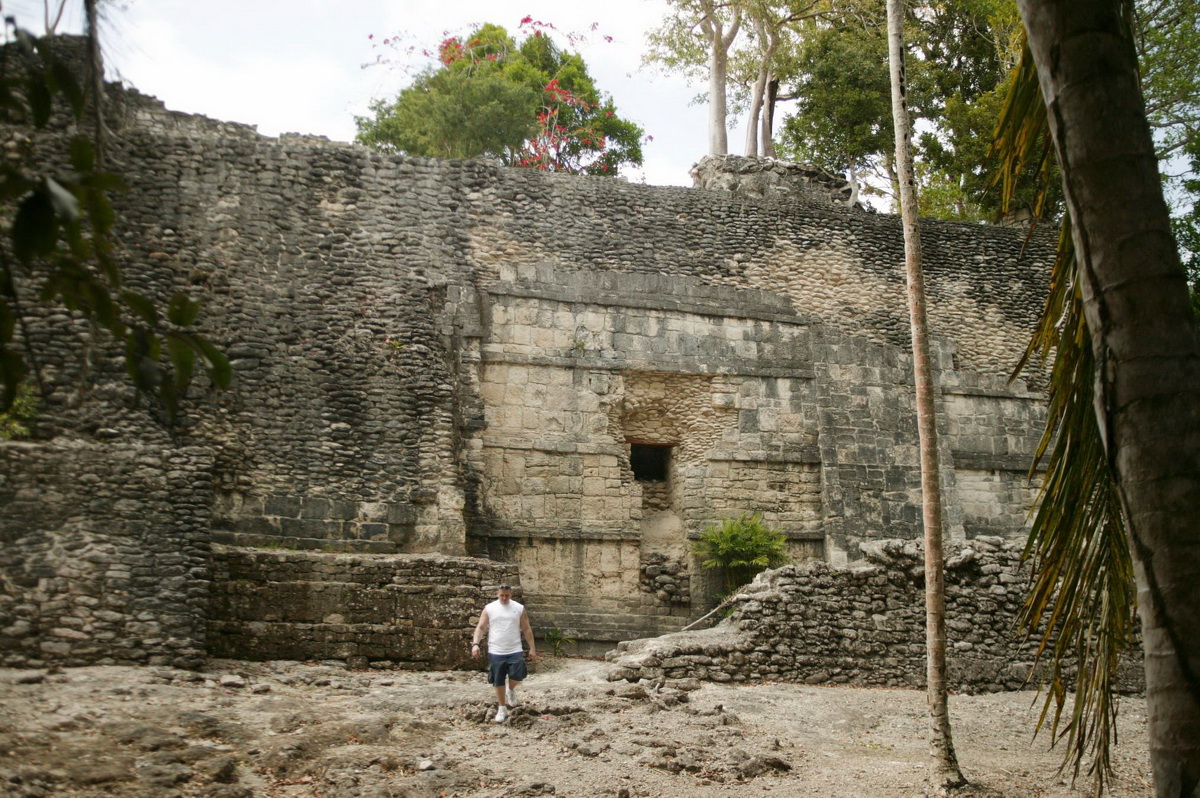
(842, 118)
(741, 547)
(558, 640)
(1168, 42)
(529, 104)
(15, 422)
(61, 252)
(1082, 600)
(961, 53)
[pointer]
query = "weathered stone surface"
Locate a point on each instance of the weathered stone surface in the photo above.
(452, 357)
(863, 624)
(415, 612)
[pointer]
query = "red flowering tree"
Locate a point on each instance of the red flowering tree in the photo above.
(531, 104)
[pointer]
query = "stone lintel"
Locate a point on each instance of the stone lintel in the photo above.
(726, 304)
(563, 532)
(985, 461)
(613, 361)
(547, 445)
(800, 454)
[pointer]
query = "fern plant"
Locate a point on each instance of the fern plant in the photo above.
(558, 640)
(741, 547)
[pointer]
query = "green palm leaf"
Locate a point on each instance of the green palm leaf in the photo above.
(1082, 598)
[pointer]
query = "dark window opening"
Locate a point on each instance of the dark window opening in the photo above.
(649, 462)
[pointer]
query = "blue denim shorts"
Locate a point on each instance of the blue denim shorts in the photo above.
(510, 665)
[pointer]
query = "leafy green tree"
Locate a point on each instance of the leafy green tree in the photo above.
(696, 39)
(842, 114)
(956, 66)
(60, 221)
(740, 548)
(1186, 224)
(531, 104)
(1168, 43)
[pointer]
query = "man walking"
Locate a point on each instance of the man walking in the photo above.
(505, 622)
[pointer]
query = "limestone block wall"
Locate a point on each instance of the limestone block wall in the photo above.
(104, 554)
(993, 434)
(576, 370)
(863, 624)
(407, 611)
(453, 357)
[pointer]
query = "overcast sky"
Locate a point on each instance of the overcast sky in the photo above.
(297, 66)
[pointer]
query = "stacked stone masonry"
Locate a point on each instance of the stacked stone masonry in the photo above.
(863, 624)
(456, 358)
(103, 553)
(412, 612)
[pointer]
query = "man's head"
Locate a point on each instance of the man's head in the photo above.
(504, 593)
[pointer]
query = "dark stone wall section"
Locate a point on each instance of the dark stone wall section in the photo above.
(414, 612)
(104, 554)
(863, 625)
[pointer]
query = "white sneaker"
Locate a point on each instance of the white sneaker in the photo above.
(501, 715)
(510, 697)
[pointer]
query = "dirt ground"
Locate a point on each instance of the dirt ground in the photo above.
(318, 729)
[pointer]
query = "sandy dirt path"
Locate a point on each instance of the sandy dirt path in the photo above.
(317, 729)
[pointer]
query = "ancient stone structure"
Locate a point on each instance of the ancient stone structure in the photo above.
(571, 376)
(864, 624)
(767, 177)
(390, 610)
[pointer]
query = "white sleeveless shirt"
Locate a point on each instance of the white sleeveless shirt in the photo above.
(504, 627)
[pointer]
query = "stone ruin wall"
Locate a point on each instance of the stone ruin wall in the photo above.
(455, 358)
(414, 612)
(863, 624)
(104, 553)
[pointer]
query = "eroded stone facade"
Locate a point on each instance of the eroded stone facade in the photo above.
(864, 624)
(571, 375)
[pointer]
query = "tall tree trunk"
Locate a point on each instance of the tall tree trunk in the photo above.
(1144, 338)
(755, 114)
(944, 771)
(852, 179)
(766, 44)
(719, 42)
(768, 121)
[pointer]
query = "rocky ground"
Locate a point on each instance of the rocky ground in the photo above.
(318, 729)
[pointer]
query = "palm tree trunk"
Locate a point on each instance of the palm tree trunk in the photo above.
(944, 771)
(1145, 342)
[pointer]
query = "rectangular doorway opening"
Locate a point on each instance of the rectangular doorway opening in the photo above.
(650, 462)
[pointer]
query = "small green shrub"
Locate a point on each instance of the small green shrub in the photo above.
(15, 424)
(741, 547)
(558, 640)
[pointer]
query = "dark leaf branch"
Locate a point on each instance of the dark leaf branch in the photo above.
(60, 224)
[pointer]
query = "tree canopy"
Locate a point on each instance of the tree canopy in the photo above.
(530, 104)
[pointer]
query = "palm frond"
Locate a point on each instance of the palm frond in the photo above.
(1021, 144)
(1082, 598)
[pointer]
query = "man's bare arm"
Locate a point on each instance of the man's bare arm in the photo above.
(527, 631)
(480, 630)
